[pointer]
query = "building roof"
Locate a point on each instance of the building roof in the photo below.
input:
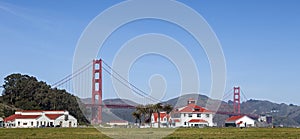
(198, 121)
(33, 114)
(176, 120)
(162, 115)
(193, 108)
(39, 111)
(234, 118)
(19, 116)
(53, 116)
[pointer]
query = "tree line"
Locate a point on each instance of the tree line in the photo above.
(143, 113)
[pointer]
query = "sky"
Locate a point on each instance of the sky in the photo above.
(260, 42)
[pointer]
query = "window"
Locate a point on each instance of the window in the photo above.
(190, 115)
(66, 117)
(184, 123)
(198, 115)
(31, 123)
(207, 115)
(184, 115)
(19, 123)
(24, 123)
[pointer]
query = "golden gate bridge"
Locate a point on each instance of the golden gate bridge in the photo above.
(96, 67)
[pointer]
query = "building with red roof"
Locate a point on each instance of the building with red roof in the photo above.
(40, 118)
(239, 121)
(164, 119)
(192, 115)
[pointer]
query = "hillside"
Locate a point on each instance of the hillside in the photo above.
(115, 113)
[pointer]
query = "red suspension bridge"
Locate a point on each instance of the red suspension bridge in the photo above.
(89, 79)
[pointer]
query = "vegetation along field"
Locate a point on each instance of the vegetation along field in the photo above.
(179, 133)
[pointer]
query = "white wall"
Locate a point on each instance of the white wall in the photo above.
(184, 117)
(43, 120)
(71, 122)
(163, 121)
(249, 122)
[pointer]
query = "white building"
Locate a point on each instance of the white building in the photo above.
(1, 122)
(240, 121)
(40, 118)
(118, 123)
(164, 117)
(192, 115)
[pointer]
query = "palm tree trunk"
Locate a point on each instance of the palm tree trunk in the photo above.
(150, 120)
(158, 119)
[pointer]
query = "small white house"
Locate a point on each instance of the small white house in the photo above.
(118, 123)
(40, 118)
(240, 121)
(164, 117)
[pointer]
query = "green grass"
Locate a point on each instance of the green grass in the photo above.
(54, 133)
(237, 133)
(74, 133)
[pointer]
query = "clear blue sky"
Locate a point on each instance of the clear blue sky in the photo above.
(260, 40)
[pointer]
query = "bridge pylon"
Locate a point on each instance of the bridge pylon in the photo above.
(97, 92)
(236, 99)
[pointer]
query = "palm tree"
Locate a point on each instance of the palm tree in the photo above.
(157, 108)
(142, 110)
(149, 109)
(168, 108)
(137, 116)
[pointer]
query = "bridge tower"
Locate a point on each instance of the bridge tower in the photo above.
(236, 99)
(97, 91)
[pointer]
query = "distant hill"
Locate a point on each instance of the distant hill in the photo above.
(283, 114)
(110, 101)
(115, 113)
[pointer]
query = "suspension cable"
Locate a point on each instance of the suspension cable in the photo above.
(138, 91)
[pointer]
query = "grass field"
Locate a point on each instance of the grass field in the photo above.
(255, 133)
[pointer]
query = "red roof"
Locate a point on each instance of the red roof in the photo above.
(234, 118)
(53, 116)
(39, 111)
(19, 116)
(162, 115)
(197, 121)
(193, 108)
(176, 120)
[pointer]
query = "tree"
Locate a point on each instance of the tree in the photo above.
(157, 108)
(137, 117)
(143, 111)
(168, 108)
(149, 109)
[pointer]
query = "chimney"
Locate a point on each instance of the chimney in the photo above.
(191, 101)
